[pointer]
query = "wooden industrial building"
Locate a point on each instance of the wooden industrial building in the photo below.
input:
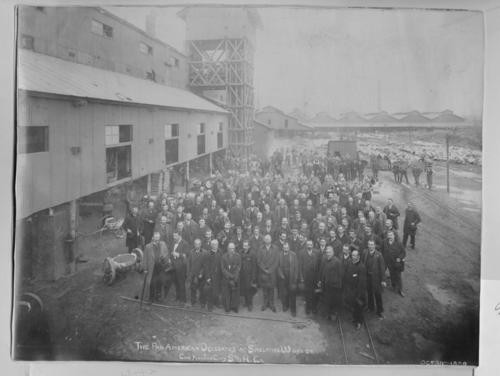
(282, 124)
(84, 127)
(264, 137)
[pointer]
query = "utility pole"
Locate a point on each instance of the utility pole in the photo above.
(448, 162)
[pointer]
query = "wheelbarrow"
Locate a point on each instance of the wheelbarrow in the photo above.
(115, 267)
(113, 225)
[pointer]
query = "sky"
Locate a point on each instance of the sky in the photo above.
(364, 60)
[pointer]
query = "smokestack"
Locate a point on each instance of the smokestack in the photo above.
(151, 23)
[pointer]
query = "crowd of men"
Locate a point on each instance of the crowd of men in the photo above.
(297, 225)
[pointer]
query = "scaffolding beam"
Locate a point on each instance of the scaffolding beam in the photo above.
(227, 65)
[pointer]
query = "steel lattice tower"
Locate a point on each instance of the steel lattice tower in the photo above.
(220, 45)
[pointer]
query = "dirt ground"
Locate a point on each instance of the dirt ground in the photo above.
(438, 320)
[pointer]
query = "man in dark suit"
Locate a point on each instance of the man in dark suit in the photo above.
(165, 230)
(133, 226)
(412, 219)
(288, 274)
(355, 287)
(309, 261)
(267, 262)
(148, 221)
(237, 214)
(230, 283)
(212, 280)
(394, 256)
(248, 273)
(375, 272)
(155, 256)
(392, 213)
(331, 283)
(196, 272)
(179, 256)
(190, 231)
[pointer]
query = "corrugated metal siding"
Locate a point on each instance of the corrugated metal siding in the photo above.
(50, 178)
(47, 74)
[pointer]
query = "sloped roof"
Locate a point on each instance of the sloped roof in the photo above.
(262, 124)
(415, 117)
(273, 109)
(47, 74)
(448, 117)
(323, 117)
(299, 115)
(352, 117)
(382, 117)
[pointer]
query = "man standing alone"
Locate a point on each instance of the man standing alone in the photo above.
(412, 219)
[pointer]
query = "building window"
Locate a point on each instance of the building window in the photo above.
(201, 144)
(118, 163)
(151, 75)
(286, 123)
(171, 131)
(202, 128)
(172, 62)
(117, 134)
(27, 42)
(32, 139)
(220, 136)
(145, 48)
(171, 151)
(101, 29)
(220, 140)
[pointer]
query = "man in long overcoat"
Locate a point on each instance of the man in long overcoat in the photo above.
(248, 273)
(133, 226)
(155, 253)
(230, 283)
(394, 256)
(267, 262)
(355, 287)
(288, 274)
(331, 282)
(212, 281)
(196, 272)
(375, 272)
(309, 261)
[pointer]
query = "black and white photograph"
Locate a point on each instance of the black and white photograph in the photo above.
(248, 184)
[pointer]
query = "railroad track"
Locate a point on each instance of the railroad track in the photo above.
(373, 356)
(432, 199)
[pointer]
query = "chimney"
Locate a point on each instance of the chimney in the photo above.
(151, 23)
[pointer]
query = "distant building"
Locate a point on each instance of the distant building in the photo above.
(352, 117)
(323, 118)
(353, 121)
(264, 136)
(299, 115)
(282, 124)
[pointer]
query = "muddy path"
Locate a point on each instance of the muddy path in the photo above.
(437, 320)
